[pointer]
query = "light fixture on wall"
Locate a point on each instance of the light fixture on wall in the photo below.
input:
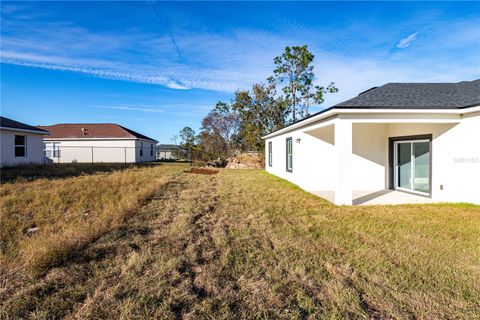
(298, 140)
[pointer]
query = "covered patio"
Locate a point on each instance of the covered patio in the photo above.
(380, 159)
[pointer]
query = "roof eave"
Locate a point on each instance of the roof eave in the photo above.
(39, 131)
(352, 110)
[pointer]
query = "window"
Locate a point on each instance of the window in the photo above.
(20, 146)
(141, 149)
(289, 155)
(51, 150)
(46, 152)
(151, 149)
(270, 153)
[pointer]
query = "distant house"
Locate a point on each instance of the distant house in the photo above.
(170, 152)
(415, 140)
(97, 142)
(20, 143)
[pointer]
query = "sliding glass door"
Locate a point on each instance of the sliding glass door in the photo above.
(412, 165)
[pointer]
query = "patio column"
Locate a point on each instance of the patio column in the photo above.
(343, 146)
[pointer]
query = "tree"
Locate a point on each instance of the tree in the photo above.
(227, 122)
(254, 113)
(294, 69)
(219, 130)
(187, 137)
(174, 138)
(260, 111)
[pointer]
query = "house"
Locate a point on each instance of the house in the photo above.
(170, 152)
(20, 143)
(419, 142)
(97, 142)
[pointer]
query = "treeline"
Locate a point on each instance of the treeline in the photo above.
(284, 98)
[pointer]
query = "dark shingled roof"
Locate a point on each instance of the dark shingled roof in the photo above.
(418, 96)
(411, 96)
(9, 123)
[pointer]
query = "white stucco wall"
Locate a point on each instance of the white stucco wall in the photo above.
(455, 155)
(370, 156)
(456, 162)
(34, 150)
(165, 155)
(147, 147)
(313, 159)
(96, 150)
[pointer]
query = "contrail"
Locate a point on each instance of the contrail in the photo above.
(166, 26)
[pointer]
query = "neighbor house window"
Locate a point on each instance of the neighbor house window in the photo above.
(151, 149)
(270, 153)
(289, 155)
(51, 150)
(20, 146)
(141, 149)
(46, 152)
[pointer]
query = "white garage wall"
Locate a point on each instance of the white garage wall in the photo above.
(34, 152)
(109, 151)
(146, 156)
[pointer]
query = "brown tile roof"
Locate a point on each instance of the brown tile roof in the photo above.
(91, 130)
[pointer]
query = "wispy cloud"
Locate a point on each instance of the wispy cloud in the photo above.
(226, 61)
(130, 108)
(406, 42)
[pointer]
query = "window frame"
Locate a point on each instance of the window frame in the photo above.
(56, 153)
(24, 145)
(289, 156)
(151, 149)
(270, 154)
(51, 150)
(141, 149)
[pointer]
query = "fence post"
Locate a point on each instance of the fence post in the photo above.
(125, 153)
(92, 155)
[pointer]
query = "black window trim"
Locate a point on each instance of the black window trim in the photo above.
(391, 165)
(24, 145)
(270, 155)
(289, 139)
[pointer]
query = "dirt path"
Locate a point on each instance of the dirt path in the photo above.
(152, 266)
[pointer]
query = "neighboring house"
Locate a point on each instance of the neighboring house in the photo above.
(20, 143)
(419, 138)
(97, 142)
(170, 152)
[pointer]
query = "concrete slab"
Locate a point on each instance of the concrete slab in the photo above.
(386, 197)
(381, 197)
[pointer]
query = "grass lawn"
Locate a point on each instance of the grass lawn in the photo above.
(54, 211)
(245, 244)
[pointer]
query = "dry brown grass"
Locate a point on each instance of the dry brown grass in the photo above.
(244, 244)
(70, 212)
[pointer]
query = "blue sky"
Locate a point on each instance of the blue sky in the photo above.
(156, 67)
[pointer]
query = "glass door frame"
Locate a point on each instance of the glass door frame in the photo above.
(393, 165)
